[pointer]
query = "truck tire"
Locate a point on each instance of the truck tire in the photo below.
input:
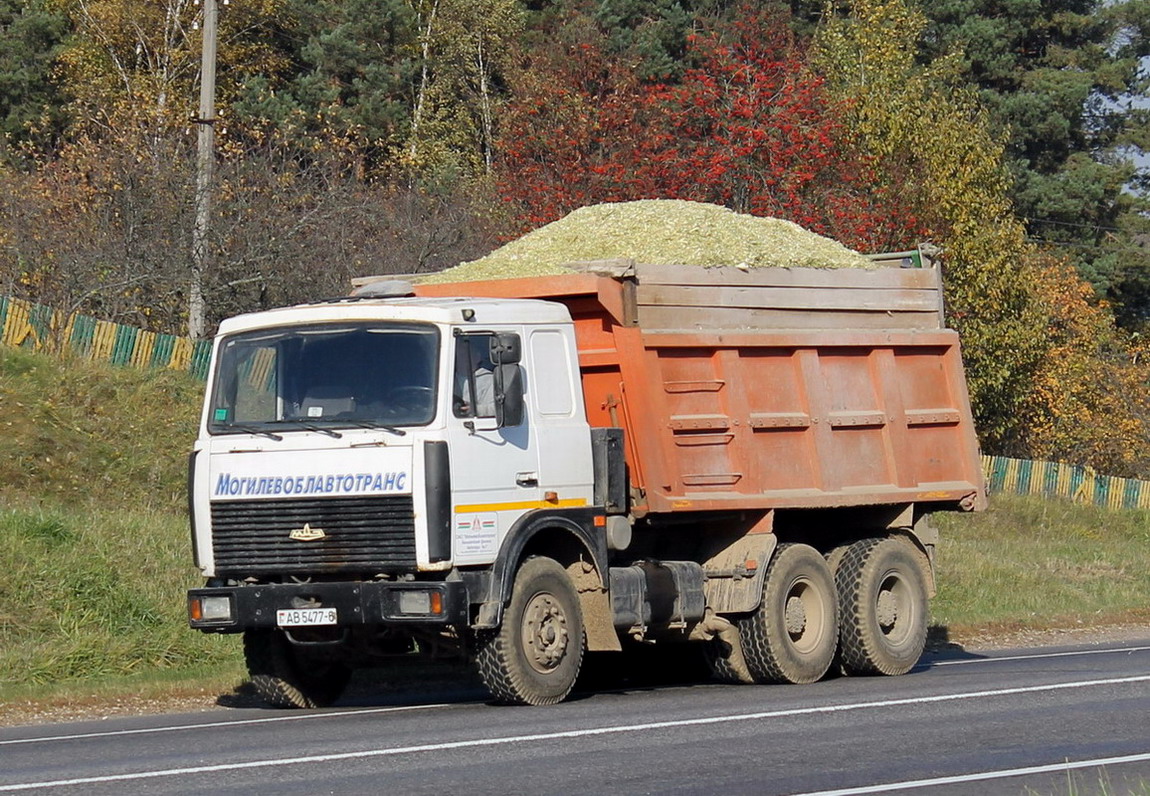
(727, 662)
(284, 678)
(791, 637)
(834, 556)
(533, 658)
(883, 607)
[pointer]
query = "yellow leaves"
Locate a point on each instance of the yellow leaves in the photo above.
(137, 64)
(1089, 402)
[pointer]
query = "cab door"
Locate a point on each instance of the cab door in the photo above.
(566, 473)
(494, 468)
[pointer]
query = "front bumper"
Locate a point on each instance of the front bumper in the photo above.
(231, 609)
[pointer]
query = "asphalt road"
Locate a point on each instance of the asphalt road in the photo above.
(1053, 720)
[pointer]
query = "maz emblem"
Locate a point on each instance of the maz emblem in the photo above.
(307, 533)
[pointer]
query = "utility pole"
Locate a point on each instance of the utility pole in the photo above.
(205, 173)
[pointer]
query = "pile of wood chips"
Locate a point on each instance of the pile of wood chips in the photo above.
(669, 231)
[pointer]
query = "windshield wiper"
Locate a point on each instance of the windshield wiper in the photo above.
(263, 432)
(306, 426)
(399, 432)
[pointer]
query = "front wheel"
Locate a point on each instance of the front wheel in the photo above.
(882, 596)
(285, 678)
(791, 637)
(533, 658)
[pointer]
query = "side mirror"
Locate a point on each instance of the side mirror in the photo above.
(505, 348)
(508, 395)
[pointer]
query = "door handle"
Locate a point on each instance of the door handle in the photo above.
(527, 479)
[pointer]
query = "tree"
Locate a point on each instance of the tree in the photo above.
(288, 232)
(926, 131)
(95, 229)
(1050, 375)
(747, 127)
(464, 53)
(31, 36)
(1089, 404)
(652, 33)
(101, 223)
(1060, 79)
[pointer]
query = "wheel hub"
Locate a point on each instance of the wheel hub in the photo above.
(796, 615)
(887, 609)
(545, 634)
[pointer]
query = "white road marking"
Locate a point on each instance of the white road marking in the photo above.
(566, 734)
(232, 723)
(982, 776)
(1068, 654)
(370, 711)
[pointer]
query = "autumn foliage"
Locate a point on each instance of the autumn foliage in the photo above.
(1089, 402)
(748, 126)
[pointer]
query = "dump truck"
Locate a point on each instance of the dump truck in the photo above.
(626, 456)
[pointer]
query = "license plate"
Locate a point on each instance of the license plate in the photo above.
(305, 617)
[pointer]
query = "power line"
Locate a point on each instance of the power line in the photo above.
(1044, 242)
(1070, 224)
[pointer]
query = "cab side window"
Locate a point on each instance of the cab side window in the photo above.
(474, 380)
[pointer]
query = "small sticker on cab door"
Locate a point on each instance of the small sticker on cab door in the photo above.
(476, 535)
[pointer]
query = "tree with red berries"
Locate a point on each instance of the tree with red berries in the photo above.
(747, 126)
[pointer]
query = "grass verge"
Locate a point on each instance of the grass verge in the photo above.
(1029, 563)
(92, 612)
(96, 593)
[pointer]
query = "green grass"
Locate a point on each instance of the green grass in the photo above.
(96, 557)
(79, 433)
(94, 540)
(1033, 563)
(92, 593)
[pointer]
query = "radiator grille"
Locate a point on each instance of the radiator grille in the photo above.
(361, 534)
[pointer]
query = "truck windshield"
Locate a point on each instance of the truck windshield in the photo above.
(347, 374)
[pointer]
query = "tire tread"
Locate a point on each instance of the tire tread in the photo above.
(497, 657)
(274, 677)
(861, 649)
(763, 646)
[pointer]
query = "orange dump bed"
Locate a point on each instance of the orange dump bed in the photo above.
(769, 388)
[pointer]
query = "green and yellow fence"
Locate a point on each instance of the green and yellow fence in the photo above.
(1070, 481)
(24, 324)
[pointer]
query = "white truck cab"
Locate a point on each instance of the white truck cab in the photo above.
(362, 462)
(333, 408)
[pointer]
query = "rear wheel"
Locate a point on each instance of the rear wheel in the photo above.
(534, 657)
(834, 556)
(791, 637)
(727, 662)
(882, 599)
(286, 677)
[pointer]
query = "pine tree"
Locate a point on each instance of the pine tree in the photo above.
(1061, 79)
(31, 105)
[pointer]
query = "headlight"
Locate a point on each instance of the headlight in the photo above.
(413, 601)
(210, 609)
